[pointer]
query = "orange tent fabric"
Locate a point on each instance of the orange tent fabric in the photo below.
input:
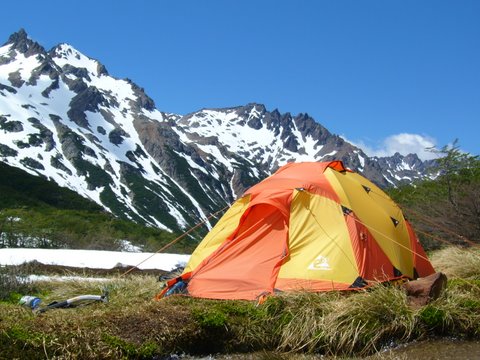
(313, 226)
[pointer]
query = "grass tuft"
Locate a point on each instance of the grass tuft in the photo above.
(456, 312)
(364, 322)
(456, 262)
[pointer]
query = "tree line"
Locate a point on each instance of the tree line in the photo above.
(445, 210)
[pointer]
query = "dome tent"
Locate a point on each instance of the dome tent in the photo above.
(312, 226)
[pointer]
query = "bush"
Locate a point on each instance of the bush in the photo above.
(14, 284)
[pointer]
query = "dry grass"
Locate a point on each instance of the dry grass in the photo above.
(343, 324)
(299, 319)
(456, 262)
(365, 322)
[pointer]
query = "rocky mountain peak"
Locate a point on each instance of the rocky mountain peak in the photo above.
(18, 37)
(23, 44)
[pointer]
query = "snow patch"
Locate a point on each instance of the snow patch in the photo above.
(92, 259)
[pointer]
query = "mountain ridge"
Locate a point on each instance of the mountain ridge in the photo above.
(63, 117)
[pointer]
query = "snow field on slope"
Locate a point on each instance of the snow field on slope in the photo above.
(24, 65)
(93, 259)
(66, 54)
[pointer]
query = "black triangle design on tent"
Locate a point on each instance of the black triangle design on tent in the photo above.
(396, 272)
(366, 188)
(395, 221)
(358, 283)
(346, 211)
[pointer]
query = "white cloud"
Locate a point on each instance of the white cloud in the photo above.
(403, 143)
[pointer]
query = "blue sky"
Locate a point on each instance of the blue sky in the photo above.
(386, 75)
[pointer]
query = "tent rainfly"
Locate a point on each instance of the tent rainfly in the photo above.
(312, 226)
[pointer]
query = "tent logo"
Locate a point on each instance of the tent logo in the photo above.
(320, 263)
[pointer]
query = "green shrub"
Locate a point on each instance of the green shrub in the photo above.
(434, 318)
(132, 351)
(210, 318)
(14, 284)
(18, 342)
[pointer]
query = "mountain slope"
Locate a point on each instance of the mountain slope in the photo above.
(19, 189)
(63, 117)
(35, 212)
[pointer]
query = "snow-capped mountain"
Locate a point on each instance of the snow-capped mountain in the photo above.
(63, 117)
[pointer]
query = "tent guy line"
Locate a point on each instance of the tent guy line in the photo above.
(174, 241)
